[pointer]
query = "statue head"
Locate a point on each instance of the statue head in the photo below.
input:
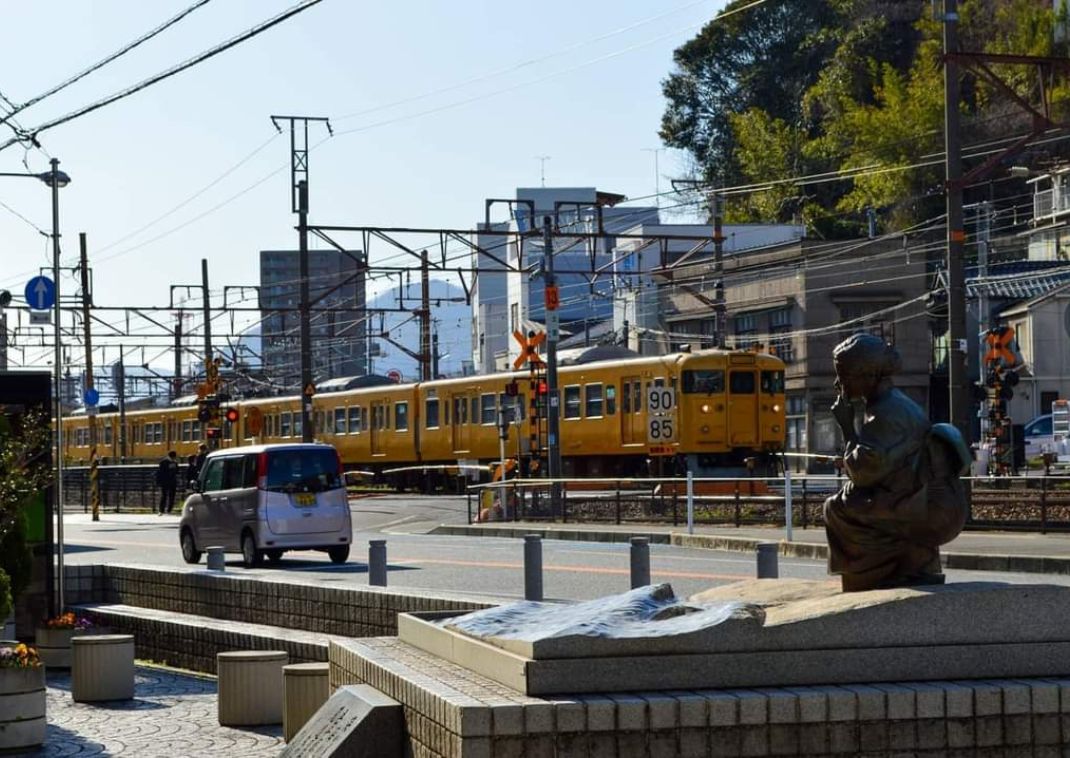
(864, 363)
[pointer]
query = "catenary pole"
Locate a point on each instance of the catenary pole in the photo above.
(956, 236)
(306, 325)
(553, 436)
(91, 417)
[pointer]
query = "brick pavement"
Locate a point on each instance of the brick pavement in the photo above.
(173, 714)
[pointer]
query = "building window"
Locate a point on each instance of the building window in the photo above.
(572, 401)
(401, 416)
(873, 318)
(514, 316)
(745, 327)
(593, 400)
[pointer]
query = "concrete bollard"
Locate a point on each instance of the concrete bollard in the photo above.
(640, 561)
(216, 559)
(532, 567)
(767, 560)
(377, 563)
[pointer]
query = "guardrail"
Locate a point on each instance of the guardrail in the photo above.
(130, 486)
(1034, 503)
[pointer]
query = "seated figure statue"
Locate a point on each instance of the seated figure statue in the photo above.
(904, 497)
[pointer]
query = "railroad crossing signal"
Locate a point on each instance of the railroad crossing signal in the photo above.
(553, 298)
(232, 415)
(529, 348)
(1001, 347)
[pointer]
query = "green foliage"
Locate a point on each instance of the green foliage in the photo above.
(16, 559)
(788, 90)
(24, 445)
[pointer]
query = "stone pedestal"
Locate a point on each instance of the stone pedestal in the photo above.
(250, 687)
(305, 689)
(102, 667)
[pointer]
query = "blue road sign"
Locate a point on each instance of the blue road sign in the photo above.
(40, 293)
(91, 396)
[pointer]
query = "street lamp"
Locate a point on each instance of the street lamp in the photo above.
(56, 179)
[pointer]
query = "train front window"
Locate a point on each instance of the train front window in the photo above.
(773, 382)
(705, 381)
(741, 383)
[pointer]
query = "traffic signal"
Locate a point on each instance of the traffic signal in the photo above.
(213, 433)
(208, 409)
(232, 415)
(512, 389)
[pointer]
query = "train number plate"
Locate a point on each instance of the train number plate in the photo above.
(304, 499)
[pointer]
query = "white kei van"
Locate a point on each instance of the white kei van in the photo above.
(263, 500)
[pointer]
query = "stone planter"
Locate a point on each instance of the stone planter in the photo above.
(103, 667)
(54, 645)
(22, 708)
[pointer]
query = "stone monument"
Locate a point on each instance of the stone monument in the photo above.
(904, 497)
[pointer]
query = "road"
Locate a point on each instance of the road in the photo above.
(473, 565)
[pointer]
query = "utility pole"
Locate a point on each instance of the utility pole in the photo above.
(176, 391)
(209, 365)
(718, 267)
(553, 436)
(307, 388)
(958, 382)
(434, 355)
(90, 411)
(425, 320)
(121, 392)
(299, 205)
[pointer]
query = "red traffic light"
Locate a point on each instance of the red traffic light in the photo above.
(232, 415)
(543, 388)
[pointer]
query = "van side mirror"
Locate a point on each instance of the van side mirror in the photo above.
(194, 485)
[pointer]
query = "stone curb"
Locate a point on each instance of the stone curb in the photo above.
(1024, 564)
(549, 533)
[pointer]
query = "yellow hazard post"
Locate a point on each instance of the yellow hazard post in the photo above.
(94, 483)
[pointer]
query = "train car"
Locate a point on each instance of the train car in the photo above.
(728, 407)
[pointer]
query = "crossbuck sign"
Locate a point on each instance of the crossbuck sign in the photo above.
(661, 415)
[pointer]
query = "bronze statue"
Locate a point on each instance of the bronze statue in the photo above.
(905, 497)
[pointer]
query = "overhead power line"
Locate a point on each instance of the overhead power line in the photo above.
(104, 61)
(166, 74)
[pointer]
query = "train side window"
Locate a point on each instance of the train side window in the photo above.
(593, 401)
(741, 383)
(487, 410)
(572, 401)
(284, 424)
(474, 415)
(431, 413)
(626, 397)
(107, 435)
(401, 417)
(384, 416)
(196, 430)
(637, 397)
(339, 420)
(352, 419)
(298, 425)
(611, 399)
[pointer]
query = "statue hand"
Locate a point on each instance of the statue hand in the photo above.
(844, 413)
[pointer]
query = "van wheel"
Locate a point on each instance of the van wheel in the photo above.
(250, 556)
(273, 556)
(190, 553)
(338, 554)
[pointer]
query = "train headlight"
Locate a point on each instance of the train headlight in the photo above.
(776, 428)
(776, 408)
(705, 408)
(705, 429)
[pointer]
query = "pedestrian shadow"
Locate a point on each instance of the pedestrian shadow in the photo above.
(62, 741)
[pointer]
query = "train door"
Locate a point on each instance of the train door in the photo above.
(632, 431)
(461, 427)
(743, 407)
(378, 427)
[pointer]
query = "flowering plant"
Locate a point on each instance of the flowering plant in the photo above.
(69, 620)
(20, 656)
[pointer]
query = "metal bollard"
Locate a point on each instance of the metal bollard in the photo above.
(640, 561)
(216, 561)
(532, 567)
(377, 563)
(767, 560)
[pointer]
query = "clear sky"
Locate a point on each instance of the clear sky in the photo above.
(504, 83)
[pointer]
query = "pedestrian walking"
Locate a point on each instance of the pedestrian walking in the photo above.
(192, 471)
(202, 453)
(167, 481)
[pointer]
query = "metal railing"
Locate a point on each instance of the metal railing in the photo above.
(126, 487)
(1031, 503)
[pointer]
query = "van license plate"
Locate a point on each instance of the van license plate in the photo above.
(304, 498)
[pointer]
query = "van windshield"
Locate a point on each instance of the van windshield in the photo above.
(302, 471)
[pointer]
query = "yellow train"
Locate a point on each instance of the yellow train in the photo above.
(728, 406)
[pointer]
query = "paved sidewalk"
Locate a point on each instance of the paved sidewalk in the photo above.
(979, 550)
(173, 714)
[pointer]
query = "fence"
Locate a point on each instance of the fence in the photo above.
(1034, 503)
(127, 487)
